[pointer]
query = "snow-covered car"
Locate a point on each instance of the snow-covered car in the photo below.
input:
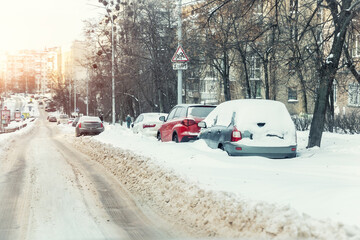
(251, 127)
(63, 119)
(148, 123)
(88, 125)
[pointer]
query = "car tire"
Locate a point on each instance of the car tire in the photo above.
(158, 136)
(175, 138)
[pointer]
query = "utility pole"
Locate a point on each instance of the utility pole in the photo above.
(113, 70)
(87, 96)
(179, 32)
(74, 96)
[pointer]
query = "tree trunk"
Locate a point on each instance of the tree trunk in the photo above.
(331, 110)
(318, 121)
(266, 72)
(226, 78)
(303, 89)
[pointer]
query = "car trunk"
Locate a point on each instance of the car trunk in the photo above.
(267, 125)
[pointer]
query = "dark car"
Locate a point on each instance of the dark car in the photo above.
(89, 126)
(251, 127)
(52, 119)
(181, 123)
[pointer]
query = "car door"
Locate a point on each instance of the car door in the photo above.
(206, 133)
(219, 130)
(166, 129)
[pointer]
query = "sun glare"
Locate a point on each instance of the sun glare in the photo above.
(39, 24)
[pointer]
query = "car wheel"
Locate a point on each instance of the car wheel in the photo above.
(221, 147)
(158, 136)
(175, 138)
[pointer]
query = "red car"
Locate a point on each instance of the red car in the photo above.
(181, 123)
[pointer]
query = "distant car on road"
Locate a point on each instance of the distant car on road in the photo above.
(63, 119)
(52, 119)
(148, 123)
(251, 127)
(50, 109)
(89, 126)
(181, 123)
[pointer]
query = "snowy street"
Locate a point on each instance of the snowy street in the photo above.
(121, 185)
(48, 190)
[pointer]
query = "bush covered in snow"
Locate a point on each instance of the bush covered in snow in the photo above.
(348, 123)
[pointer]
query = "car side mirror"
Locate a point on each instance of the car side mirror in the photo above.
(162, 118)
(202, 124)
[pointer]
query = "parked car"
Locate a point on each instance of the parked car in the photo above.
(89, 126)
(76, 120)
(63, 119)
(50, 109)
(70, 120)
(52, 119)
(251, 127)
(181, 123)
(148, 123)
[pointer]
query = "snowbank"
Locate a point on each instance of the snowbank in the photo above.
(186, 201)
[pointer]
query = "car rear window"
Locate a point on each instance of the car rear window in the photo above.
(200, 111)
(90, 119)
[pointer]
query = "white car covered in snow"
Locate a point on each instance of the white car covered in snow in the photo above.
(148, 123)
(251, 127)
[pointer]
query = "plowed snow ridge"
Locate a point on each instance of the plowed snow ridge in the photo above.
(207, 213)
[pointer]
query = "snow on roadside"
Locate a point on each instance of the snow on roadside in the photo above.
(7, 138)
(196, 185)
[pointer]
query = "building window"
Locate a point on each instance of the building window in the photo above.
(356, 47)
(354, 94)
(293, 7)
(292, 65)
(255, 89)
(292, 94)
(255, 68)
(258, 7)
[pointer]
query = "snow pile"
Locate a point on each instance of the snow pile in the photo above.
(7, 138)
(206, 212)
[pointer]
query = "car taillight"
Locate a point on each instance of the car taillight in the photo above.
(188, 122)
(102, 126)
(79, 125)
(149, 125)
(235, 135)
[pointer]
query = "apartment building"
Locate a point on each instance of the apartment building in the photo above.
(30, 70)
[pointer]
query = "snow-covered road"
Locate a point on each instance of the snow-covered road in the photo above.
(48, 190)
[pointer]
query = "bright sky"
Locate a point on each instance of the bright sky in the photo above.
(37, 24)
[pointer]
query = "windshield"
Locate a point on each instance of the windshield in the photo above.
(199, 111)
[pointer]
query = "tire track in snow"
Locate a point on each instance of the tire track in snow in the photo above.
(114, 200)
(13, 203)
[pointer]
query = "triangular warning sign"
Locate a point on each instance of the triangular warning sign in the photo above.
(180, 55)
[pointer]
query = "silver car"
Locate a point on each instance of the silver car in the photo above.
(89, 126)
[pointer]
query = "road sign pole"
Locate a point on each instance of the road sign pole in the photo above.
(179, 86)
